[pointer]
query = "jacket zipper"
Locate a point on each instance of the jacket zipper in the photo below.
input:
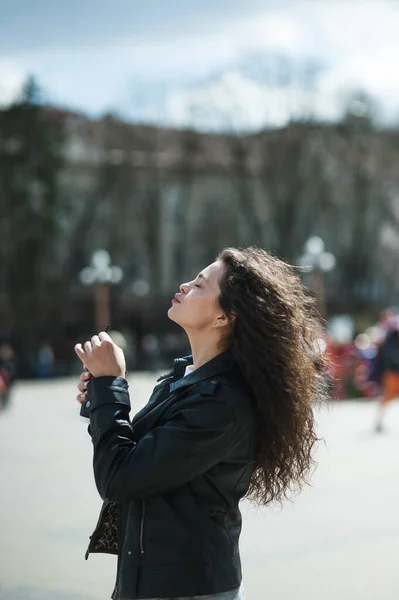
(142, 527)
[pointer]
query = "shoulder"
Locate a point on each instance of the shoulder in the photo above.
(230, 390)
(200, 408)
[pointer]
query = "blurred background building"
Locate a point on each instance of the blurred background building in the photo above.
(254, 147)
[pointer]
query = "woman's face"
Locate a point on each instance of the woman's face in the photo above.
(196, 307)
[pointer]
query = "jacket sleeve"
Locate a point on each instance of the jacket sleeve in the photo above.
(194, 440)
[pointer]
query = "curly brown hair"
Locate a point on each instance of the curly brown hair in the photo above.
(273, 338)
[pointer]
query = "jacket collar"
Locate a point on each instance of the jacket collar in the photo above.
(220, 364)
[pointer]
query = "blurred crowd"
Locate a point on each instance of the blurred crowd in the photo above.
(364, 365)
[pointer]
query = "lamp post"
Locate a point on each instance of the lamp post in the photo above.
(100, 274)
(317, 262)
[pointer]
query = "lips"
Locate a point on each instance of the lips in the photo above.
(176, 299)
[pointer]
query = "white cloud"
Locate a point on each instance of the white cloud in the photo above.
(12, 77)
(235, 102)
(357, 40)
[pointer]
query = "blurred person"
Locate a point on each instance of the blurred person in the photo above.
(45, 361)
(340, 355)
(7, 373)
(365, 353)
(374, 335)
(232, 420)
(387, 323)
(387, 372)
(340, 352)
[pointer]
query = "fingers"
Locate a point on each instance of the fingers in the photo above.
(82, 387)
(90, 345)
(95, 341)
(104, 337)
(86, 376)
(90, 353)
(80, 352)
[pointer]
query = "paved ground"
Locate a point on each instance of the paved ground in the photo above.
(337, 541)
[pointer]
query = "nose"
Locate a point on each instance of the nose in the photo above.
(184, 288)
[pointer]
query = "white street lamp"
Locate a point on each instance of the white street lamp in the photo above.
(317, 262)
(100, 274)
(315, 257)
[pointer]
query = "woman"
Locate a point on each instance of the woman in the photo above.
(387, 373)
(232, 420)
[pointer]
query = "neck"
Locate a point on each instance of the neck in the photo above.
(203, 348)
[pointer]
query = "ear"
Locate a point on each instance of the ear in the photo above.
(223, 320)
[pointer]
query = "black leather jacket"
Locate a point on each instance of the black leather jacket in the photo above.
(171, 479)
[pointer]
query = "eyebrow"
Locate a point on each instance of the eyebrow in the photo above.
(201, 276)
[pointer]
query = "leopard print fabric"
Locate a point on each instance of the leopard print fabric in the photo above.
(106, 539)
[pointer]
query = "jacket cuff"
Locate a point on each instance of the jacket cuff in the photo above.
(107, 390)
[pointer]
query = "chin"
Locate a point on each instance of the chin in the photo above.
(170, 314)
(174, 317)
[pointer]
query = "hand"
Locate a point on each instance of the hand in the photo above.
(82, 387)
(102, 357)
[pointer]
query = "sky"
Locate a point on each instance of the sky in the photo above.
(224, 63)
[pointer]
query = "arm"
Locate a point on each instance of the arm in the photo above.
(169, 456)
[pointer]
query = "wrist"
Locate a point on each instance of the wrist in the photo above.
(107, 389)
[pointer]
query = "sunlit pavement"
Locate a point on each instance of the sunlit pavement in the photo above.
(336, 541)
